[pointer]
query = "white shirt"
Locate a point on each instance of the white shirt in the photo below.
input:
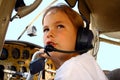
(81, 67)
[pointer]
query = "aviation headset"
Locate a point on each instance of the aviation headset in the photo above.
(84, 39)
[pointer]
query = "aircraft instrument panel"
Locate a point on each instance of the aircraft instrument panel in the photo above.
(15, 59)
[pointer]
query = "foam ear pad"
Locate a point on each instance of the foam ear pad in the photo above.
(84, 39)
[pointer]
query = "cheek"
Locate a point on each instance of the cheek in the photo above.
(72, 41)
(68, 42)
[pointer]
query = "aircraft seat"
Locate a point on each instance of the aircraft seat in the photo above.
(114, 74)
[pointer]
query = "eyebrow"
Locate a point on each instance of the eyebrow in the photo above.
(57, 22)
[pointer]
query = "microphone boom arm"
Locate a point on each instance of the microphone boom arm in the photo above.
(50, 48)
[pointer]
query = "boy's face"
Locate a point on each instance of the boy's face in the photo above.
(59, 31)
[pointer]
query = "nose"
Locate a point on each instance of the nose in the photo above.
(50, 34)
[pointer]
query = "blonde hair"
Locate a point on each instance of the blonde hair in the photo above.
(74, 17)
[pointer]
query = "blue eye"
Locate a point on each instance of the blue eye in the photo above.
(46, 30)
(60, 26)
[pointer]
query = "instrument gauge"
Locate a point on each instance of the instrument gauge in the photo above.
(4, 54)
(16, 53)
(21, 62)
(25, 54)
(13, 68)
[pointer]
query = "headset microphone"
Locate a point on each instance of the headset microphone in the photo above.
(50, 48)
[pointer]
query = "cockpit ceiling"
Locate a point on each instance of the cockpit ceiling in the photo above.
(104, 15)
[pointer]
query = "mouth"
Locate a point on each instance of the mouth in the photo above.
(51, 43)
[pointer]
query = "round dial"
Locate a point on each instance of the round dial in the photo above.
(4, 54)
(25, 54)
(15, 53)
(12, 68)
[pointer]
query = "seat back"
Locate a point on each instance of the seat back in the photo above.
(114, 74)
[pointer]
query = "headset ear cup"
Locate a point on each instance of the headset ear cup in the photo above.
(84, 39)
